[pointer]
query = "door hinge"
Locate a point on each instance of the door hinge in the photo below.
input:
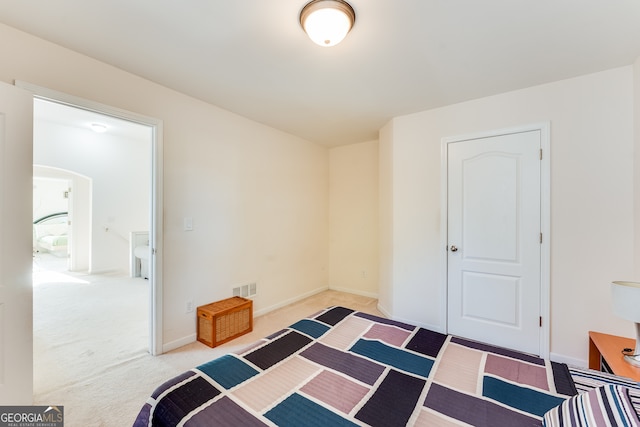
(541, 154)
(541, 321)
(540, 238)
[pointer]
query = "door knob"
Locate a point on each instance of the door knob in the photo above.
(454, 249)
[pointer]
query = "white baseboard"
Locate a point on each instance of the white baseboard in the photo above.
(435, 328)
(571, 361)
(354, 291)
(107, 271)
(269, 309)
(387, 313)
(191, 338)
(179, 343)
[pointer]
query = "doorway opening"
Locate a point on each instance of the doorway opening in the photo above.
(62, 215)
(91, 192)
(155, 193)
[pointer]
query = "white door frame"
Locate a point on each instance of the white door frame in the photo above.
(16, 246)
(545, 219)
(155, 232)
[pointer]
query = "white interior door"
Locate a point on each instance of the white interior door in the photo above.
(494, 232)
(16, 186)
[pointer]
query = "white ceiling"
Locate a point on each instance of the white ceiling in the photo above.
(53, 112)
(402, 56)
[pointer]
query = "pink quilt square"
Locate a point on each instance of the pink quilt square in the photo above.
(335, 390)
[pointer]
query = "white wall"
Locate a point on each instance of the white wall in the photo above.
(120, 172)
(592, 200)
(353, 218)
(48, 196)
(636, 181)
(258, 196)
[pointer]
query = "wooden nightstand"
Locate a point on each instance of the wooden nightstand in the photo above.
(605, 354)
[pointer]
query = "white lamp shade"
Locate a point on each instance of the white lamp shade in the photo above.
(626, 300)
(327, 22)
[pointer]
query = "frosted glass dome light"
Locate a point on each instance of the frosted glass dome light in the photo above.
(327, 22)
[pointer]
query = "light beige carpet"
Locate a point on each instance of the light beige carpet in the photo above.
(102, 376)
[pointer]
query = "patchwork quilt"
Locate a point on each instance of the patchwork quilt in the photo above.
(340, 367)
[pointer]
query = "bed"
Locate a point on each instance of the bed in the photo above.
(50, 233)
(341, 367)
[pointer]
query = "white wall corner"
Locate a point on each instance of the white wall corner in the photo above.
(354, 291)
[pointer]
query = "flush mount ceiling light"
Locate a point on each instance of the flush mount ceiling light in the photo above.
(327, 22)
(98, 127)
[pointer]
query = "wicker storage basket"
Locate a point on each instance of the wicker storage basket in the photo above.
(222, 321)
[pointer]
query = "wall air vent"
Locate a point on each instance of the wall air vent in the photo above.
(245, 291)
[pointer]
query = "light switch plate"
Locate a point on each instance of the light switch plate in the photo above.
(188, 223)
